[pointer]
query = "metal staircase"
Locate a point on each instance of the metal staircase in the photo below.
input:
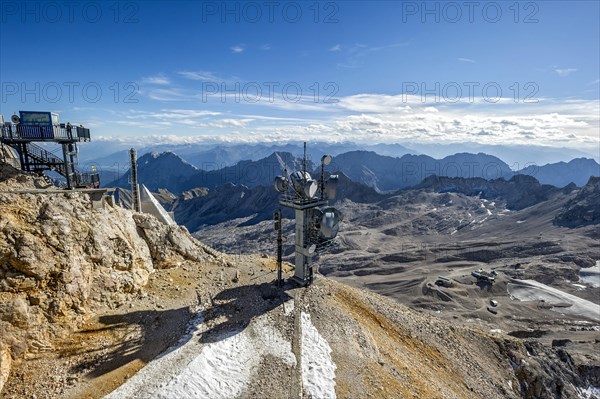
(45, 158)
(40, 159)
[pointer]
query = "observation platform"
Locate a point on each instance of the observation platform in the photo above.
(62, 133)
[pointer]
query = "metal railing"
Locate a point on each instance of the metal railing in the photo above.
(45, 157)
(60, 132)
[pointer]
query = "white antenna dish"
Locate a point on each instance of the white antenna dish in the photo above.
(326, 159)
(15, 119)
(281, 184)
(330, 223)
(303, 184)
(310, 189)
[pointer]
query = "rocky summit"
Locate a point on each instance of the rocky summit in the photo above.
(99, 301)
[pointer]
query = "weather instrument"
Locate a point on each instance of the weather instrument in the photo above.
(316, 228)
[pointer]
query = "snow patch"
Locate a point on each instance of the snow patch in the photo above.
(152, 376)
(222, 368)
(318, 368)
(288, 307)
(531, 290)
(220, 371)
(590, 275)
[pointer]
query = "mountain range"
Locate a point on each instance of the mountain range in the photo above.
(110, 153)
(381, 172)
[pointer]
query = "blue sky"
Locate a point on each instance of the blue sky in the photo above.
(499, 72)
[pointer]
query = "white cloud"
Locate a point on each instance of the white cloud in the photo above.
(562, 72)
(265, 47)
(237, 48)
(159, 79)
(174, 114)
(384, 118)
(469, 60)
(337, 47)
(205, 76)
(173, 94)
(230, 123)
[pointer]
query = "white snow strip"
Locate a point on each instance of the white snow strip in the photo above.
(318, 369)
(153, 376)
(590, 275)
(219, 369)
(531, 290)
(288, 307)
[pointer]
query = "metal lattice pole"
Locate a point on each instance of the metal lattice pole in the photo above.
(135, 190)
(278, 227)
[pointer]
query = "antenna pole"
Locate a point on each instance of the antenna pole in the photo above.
(135, 189)
(304, 167)
(322, 180)
(278, 228)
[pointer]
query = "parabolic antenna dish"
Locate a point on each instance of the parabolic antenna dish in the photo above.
(330, 223)
(281, 184)
(310, 189)
(303, 184)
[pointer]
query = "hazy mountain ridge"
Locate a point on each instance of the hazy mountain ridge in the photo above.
(113, 153)
(165, 170)
(560, 174)
(383, 173)
(212, 157)
(388, 173)
(248, 173)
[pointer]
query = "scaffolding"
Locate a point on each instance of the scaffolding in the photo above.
(35, 158)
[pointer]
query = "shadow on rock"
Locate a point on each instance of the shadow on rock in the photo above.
(233, 309)
(140, 335)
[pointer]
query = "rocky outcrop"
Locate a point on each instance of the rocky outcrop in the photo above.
(61, 260)
(5, 363)
(170, 245)
(584, 209)
(519, 192)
